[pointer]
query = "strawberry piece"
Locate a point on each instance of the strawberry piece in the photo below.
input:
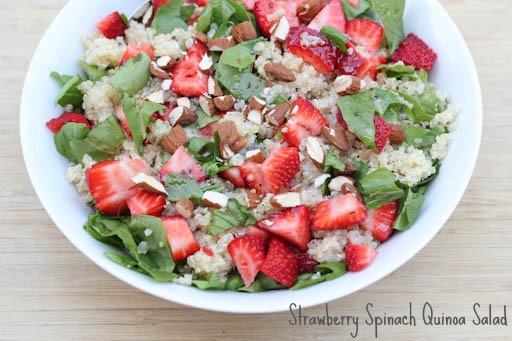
(268, 13)
(133, 50)
(248, 254)
(358, 256)
(199, 47)
(121, 117)
(159, 3)
(382, 132)
(305, 120)
(112, 26)
(339, 212)
(234, 176)
(207, 251)
(292, 225)
(414, 51)
(280, 263)
(330, 15)
(180, 237)
(208, 131)
(352, 63)
(380, 221)
(145, 203)
(56, 124)
(183, 164)
(188, 79)
(110, 183)
(315, 48)
(276, 172)
(257, 232)
(366, 33)
(306, 263)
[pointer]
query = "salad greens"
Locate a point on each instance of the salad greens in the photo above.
(69, 93)
(234, 216)
(379, 187)
(171, 16)
(133, 76)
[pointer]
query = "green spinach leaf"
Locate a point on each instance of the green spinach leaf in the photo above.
(69, 93)
(236, 215)
(410, 206)
(69, 132)
(332, 164)
(212, 283)
(391, 13)
(336, 37)
(379, 187)
(352, 12)
(171, 16)
(358, 111)
(133, 75)
(328, 271)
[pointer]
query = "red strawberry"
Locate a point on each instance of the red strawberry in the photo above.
(198, 47)
(268, 13)
(207, 251)
(159, 3)
(382, 132)
(55, 124)
(257, 232)
(201, 3)
(180, 237)
(380, 221)
(352, 63)
(371, 64)
(366, 33)
(234, 176)
(306, 263)
(112, 26)
(280, 263)
(358, 256)
(330, 15)
(277, 171)
(121, 117)
(111, 185)
(414, 51)
(145, 203)
(133, 50)
(305, 120)
(208, 131)
(313, 47)
(292, 225)
(182, 163)
(188, 79)
(339, 212)
(248, 253)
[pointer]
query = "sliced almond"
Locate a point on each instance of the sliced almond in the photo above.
(315, 151)
(183, 101)
(255, 117)
(397, 134)
(214, 88)
(166, 84)
(281, 29)
(239, 144)
(350, 188)
(336, 136)
(277, 115)
(157, 97)
(228, 132)
(337, 183)
(320, 180)
(257, 104)
(149, 183)
(206, 63)
(246, 110)
(347, 85)
(286, 200)
(297, 188)
(220, 44)
(252, 198)
(147, 16)
(185, 208)
(279, 72)
(215, 199)
(244, 31)
(255, 156)
(206, 103)
(142, 10)
(158, 72)
(202, 37)
(182, 115)
(308, 9)
(175, 139)
(226, 152)
(166, 63)
(224, 103)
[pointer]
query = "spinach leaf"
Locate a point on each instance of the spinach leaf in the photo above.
(208, 154)
(125, 260)
(179, 186)
(234, 216)
(420, 137)
(384, 99)
(169, 17)
(234, 283)
(69, 132)
(398, 70)
(242, 84)
(93, 72)
(361, 170)
(212, 283)
(215, 12)
(328, 271)
(69, 93)
(391, 13)
(203, 120)
(61, 79)
(336, 37)
(429, 99)
(133, 75)
(240, 13)
(138, 115)
(280, 99)
(240, 56)
(332, 164)
(358, 111)
(352, 12)
(379, 187)
(417, 113)
(410, 206)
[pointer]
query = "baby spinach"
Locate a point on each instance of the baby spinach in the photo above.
(93, 73)
(236, 215)
(211, 283)
(171, 16)
(358, 111)
(410, 206)
(222, 13)
(398, 70)
(179, 186)
(328, 271)
(391, 13)
(336, 37)
(242, 84)
(379, 187)
(69, 93)
(352, 12)
(69, 132)
(133, 76)
(421, 137)
(332, 164)
(240, 56)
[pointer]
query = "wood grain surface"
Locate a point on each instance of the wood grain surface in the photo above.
(50, 291)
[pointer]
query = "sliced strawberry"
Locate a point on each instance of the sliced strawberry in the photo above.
(159, 3)
(276, 172)
(352, 63)
(366, 33)
(292, 225)
(382, 132)
(182, 163)
(199, 47)
(56, 124)
(112, 26)
(248, 254)
(306, 263)
(207, 251)
(145, 203)
(414, 51)
(180, 237)
(234, 176)
(380, 221)
(315, 48)
(358, 256)
(208, 131)
(121, 117)
(188, 79)
(339, 212)
(330, 15)
(268, 13)
(111, 186)
(305, 120)
(370, 67)
(257, 232)
(133, 50)
(280, 263)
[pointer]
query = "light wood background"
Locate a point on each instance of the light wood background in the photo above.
(48, 290)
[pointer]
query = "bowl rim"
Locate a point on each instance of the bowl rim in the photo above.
(241, 304)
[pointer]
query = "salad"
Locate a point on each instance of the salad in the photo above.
(252, 145)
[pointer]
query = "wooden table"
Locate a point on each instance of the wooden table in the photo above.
(49, 290)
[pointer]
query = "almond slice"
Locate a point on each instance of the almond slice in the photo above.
(255, 156)
(158, 72)
(175, 139)
(257, 104)
(252, 199)
(277, 115)
(182, 115)
(157, 97)
(228, 132)
(255, 117)
(185, 208)
(279, 72)
(215, 199)
(224, 103)
(202, 37)
(282, 29)
(350, 188)
(214, 88)
(286, 200)
(149, 183)
(206, 103)
(337, 137)
(244, 31)
(347, 85)
(206, 63)
(308, 9)
(320, 180)
(337, 183)
(220, 44)
(183, 101)
(239, 144)
(315, 151)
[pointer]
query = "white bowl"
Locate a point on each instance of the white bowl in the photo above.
(59, 50)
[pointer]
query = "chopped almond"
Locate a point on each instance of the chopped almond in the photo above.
(185, 208)
(175, 139)
(279, 72)
(244, 31)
